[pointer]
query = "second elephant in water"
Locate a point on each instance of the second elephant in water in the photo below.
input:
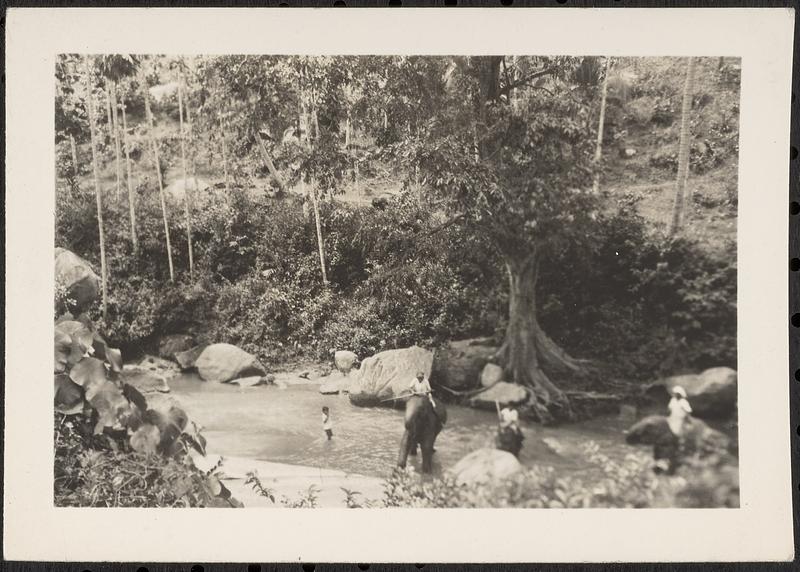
(423, 423)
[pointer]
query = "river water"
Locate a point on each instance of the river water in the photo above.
(284, 424)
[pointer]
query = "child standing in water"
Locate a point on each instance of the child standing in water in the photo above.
(327, 424)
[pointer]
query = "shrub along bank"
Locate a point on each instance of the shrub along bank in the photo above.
(642, 305)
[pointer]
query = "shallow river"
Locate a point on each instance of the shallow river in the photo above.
(284, 425)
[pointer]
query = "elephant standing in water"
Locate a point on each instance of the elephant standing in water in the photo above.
(423, 424)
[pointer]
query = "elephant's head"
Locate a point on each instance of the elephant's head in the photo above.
(421, 416)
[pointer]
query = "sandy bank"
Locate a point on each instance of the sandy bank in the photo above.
(290, 481)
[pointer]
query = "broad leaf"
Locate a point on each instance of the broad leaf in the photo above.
(68, 395)
(90, 373)
(111, 406)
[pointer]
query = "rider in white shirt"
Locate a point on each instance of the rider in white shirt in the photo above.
(420, 386)
(679, 410)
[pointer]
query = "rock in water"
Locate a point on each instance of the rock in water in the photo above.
(225, 362)
(77, 276)
(336, 382)
(711, 394)
(172, 344)
(458, 365)
(698, 438)
(388, 374)
(502, 393)
(254, 380)
(344, 360)
(158, 365)
(491, 374)
(145, 380)
(486, 465)
(187, 359)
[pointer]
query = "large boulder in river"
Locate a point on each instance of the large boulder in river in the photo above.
(491, 374)
(344, 360)
(187, 359)
(77, 276)
(388, 374)
(172, 344)
(712, 393)
(486, 465)
(698, 438)
(458, 365)
(226, 362)
(502, 393)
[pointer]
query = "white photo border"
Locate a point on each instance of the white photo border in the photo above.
(761, 529)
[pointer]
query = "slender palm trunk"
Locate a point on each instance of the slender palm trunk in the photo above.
(74, 148)
(347, 132)
(598, 152)
(117, 149)
(186, 199)
(97, 192)
(110, 119)
(225, 162)
(320, 241)
(128, 168)
(154, 147)
(683, 152)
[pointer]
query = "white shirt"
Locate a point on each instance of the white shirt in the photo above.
(508, 416)
(420, 387)
(679, 410)
(326, 421)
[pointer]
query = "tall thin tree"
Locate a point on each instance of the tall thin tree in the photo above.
(598, 153)
(115, 130)
(678, 214)
(97, 191)
(129, 170)
(187, 199)
(157, 162)
(224, 160)
(312, 194)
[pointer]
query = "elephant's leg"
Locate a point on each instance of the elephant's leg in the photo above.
(405, 443)
(426, 445)
(412, 447)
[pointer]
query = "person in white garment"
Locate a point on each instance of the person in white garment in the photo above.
(509, 418)
(679, 410)
(420, 386)
(327, 424)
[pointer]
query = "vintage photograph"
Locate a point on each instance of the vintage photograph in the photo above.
(287, 281)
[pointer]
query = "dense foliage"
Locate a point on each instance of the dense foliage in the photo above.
(611, 288)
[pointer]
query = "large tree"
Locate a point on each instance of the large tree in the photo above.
(519, 174)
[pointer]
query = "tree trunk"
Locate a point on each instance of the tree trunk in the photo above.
(195, 188)
(186, 200)
(109, 118)
(97, 192)
(117, 149)
(154, 146)
(131, 196)
(320, 242)
(74, 148)
(598, 152)
(683, 152)
(347, 132)
(225, 163)
(270, 165)
(527, 351)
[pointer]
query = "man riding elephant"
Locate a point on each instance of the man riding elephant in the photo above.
(424, 419)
